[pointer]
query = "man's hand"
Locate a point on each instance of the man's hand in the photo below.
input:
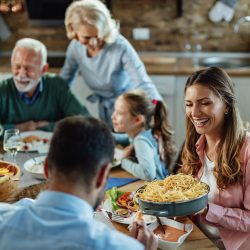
(144, 235)
(31, 125)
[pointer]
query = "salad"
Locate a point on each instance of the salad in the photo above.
(123, 203)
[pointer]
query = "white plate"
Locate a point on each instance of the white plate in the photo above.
(117, 157)
(38, 146)
(147, 218)
(34, 166)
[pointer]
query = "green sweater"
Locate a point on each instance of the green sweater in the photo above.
(55, 102)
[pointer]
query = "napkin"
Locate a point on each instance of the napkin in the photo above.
(118, 182)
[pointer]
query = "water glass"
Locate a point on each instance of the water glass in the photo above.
(12, 142)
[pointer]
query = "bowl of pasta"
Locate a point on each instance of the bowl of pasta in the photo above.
(176, 195)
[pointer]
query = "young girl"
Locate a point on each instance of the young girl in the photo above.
(146, 125)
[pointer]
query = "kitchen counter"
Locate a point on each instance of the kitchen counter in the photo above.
(183, 63)
(157, 63)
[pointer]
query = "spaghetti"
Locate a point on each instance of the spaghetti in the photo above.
(174, 188)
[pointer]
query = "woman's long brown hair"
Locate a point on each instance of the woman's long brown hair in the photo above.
(227, 168)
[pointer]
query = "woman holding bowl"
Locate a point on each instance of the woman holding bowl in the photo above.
(217, 151)
(105, 59)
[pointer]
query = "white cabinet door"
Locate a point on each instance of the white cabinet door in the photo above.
(242, 91)
(180, 110)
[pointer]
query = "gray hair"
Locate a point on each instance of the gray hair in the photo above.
(35, 45)
(92, 12)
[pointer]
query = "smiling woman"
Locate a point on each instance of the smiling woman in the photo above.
(216, 151)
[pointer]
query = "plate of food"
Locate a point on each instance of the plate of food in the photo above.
(35, 167)
(37, 141)
(123, 206)
(9, 170)
(117, 157)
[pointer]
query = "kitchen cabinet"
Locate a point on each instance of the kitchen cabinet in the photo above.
(242, 91)
(179, 110)
(166, 87)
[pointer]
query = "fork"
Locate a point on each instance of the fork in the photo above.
(112, 216)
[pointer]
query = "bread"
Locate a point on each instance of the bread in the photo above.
(139, 216)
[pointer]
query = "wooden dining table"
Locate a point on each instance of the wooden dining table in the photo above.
(196, 240)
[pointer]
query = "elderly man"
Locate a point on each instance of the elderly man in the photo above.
(77, 168)
(33, 99)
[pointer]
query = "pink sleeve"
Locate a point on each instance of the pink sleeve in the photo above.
(237, 219)
(230, 218)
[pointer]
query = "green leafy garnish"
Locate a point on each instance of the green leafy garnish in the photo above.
(113, 194)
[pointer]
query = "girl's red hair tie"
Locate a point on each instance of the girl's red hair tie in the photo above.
(154, 101)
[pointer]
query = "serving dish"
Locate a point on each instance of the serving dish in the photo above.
(173, 209)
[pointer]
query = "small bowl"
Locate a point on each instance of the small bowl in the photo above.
(163, 244)
(35, 167)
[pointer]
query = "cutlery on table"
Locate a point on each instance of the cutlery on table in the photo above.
(161, 226)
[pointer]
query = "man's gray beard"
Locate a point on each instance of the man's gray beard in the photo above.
(29, 87)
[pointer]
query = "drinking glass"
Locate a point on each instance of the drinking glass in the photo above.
(12, 142)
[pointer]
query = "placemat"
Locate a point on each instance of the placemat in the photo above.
(118, 182)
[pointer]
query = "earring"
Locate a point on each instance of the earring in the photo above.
(226, 112)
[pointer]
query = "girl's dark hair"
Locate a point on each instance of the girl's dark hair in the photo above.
(156, 117)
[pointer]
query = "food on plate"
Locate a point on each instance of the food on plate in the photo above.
(124, 199)
(37, 167)
(32, 140)
(10, 170)
(171, 234)
(120, 199)
(125, 213)
(133, 206)
(180, 187)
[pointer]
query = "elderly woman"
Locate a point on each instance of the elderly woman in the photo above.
(217, 151)
(105, 59)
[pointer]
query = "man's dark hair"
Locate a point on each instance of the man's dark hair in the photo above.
(79, 147)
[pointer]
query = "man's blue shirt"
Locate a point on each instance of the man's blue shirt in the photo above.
(56, 221)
